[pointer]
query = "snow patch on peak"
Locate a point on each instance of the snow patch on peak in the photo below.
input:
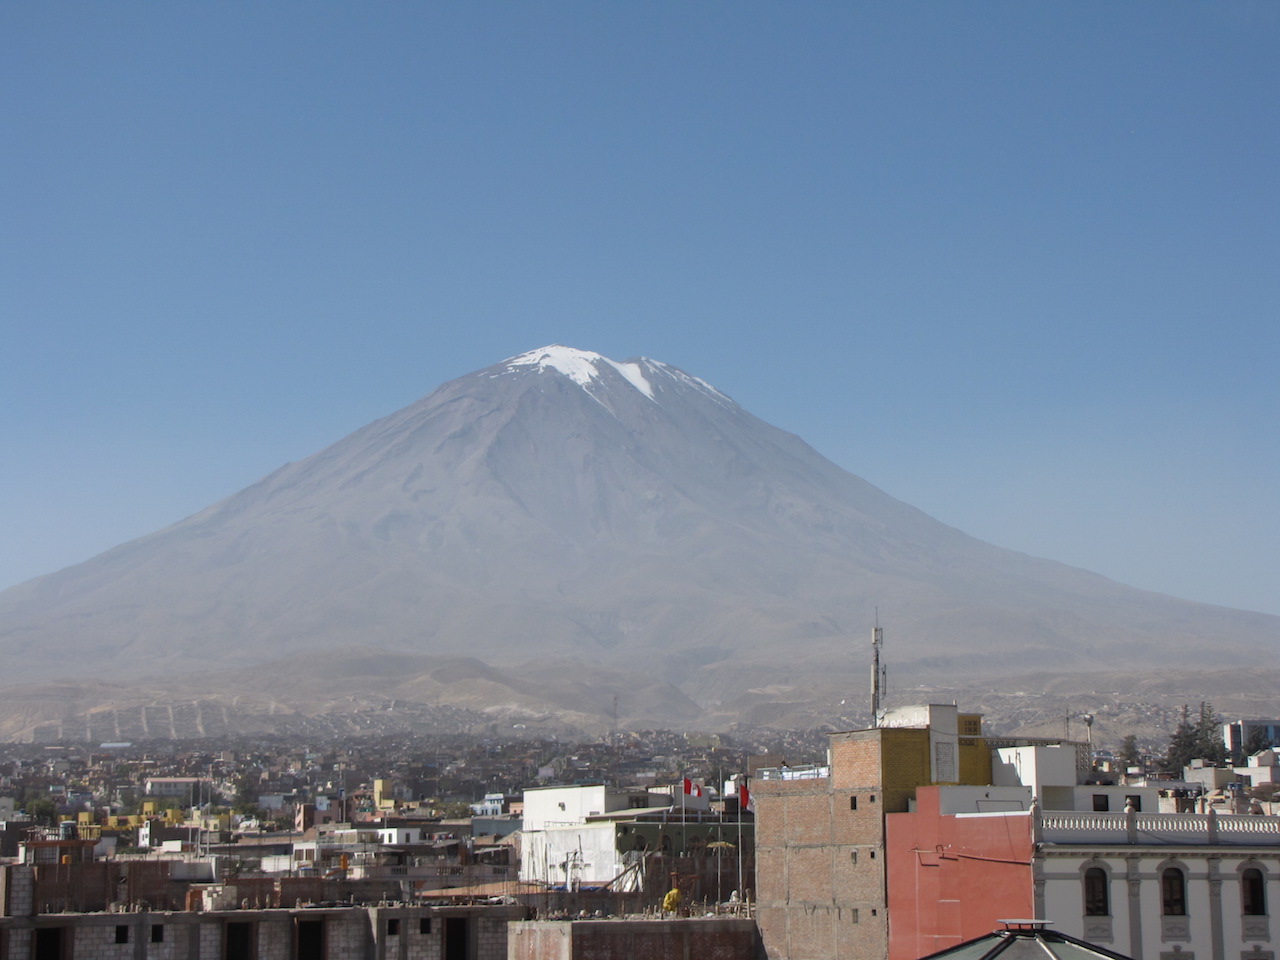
(664, 369)
(580, 366)
(634, 375)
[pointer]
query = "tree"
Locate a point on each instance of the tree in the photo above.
(1129, 755)
(1209, 743)
(43, 809)
(1201, 740)
(1182, 746)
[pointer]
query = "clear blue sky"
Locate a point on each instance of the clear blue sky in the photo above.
(1016, 263)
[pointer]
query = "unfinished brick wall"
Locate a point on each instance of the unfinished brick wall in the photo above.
(94, 886)
(350, 933)
(102, 943)
(17, 890)
(348, 936)
(703, 939)
(486, 930)
(820, 858)
(174, 941)
(540, 940)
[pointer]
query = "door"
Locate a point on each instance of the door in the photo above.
(310, 940)
(456, 945)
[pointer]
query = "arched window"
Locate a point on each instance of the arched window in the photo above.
(1253, 892)
(1097, 897)
(1173, 892)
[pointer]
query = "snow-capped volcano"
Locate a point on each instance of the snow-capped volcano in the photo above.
(581, 366)
(588, 370)
(563, 507)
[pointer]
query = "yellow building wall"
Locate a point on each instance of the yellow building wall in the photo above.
(975, 755)
(905, 765)
(382, 798)
(975, 761)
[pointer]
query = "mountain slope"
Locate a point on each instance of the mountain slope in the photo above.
(562, 506)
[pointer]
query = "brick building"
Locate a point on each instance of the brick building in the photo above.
(920, 834)
(820, 832)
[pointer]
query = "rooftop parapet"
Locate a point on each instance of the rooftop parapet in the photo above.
(1157, 828)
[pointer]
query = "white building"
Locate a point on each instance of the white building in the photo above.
(1262, 767)
(1051, 771)
(1236, 736)
(570, 834)
(1169, 885)
(193, 788)
(404, 833)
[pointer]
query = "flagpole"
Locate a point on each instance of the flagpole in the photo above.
(684, 790)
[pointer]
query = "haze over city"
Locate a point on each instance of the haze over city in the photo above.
(1014, 265)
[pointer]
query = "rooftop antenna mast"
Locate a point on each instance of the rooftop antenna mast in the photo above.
(877, 673)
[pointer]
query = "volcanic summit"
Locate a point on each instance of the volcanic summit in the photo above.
(563, 518)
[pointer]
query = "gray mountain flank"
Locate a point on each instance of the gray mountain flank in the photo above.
(575, 525)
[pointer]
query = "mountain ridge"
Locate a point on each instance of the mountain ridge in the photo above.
(562, 506)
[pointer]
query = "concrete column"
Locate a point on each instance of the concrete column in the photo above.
(1215, 906)
(1037, 886)
(1133, 877)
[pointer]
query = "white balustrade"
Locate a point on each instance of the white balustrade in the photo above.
(1063, 826)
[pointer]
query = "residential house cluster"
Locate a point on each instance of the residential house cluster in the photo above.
(916, 835)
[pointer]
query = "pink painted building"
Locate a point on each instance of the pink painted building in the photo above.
(951, 878)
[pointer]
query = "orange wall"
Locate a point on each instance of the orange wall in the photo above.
(952, 879)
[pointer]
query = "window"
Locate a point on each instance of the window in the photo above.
(1097, 898)
(1101, 803)
(393, 927)
(1173, 892)
(122, 934)
(853, 803)
(157, 933)
(424, 925)
(1253, 893)
(1134, 800)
